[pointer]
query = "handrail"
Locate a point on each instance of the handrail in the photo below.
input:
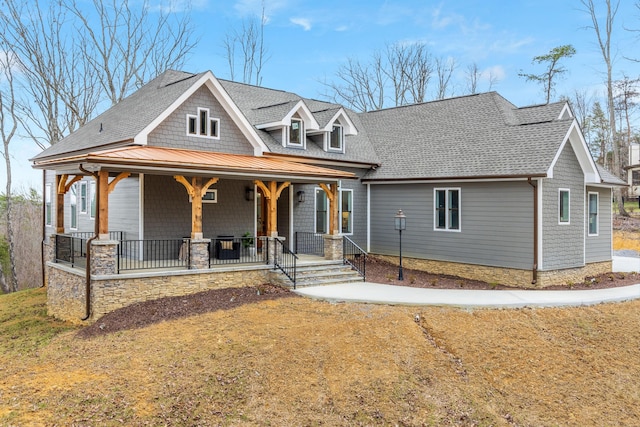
(285, 260)
(149, 254)
(354, 256)
(71, 250)
(113, 235)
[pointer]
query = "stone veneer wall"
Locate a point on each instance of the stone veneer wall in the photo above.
(66, 288)
(503, 276)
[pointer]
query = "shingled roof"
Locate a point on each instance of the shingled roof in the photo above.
(466, 137)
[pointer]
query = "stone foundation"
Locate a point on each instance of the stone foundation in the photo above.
(66, 293)
(504, 276)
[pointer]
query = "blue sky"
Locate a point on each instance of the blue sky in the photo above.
(308, 40)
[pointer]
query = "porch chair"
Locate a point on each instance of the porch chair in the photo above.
(227, 248)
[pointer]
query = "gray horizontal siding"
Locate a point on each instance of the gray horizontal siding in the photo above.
(124, 208)
(598, 248)
(496, 223)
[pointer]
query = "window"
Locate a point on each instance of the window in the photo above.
(48, 207)
(593, 214)
(322, 212)
(296, 132)
(83, 197)
(563, 206)
(447, 209)
(92, 198)
(211, 196)
(73, 202)
(202, 125)
(346, 211)
(335, 140)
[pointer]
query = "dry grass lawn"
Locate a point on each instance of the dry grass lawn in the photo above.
(300, 362)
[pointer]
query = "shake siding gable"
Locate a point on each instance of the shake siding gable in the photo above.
(563, 244)
(173, 131)
(496, 220)
(598, 248)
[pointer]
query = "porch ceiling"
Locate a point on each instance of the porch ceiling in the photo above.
(164, 161)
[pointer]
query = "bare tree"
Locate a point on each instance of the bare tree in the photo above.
(604, 42)
(398, 76)
(8, 128)
(548, 78)
(444, 70)
(626, 90)
(473, 75)
(249, 43)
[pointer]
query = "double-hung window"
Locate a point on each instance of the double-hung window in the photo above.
(73, 202)
(447, 209)
(563, 206)
(345, 213)
(83, 197)
(593, 214)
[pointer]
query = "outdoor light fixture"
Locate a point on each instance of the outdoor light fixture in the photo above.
(400, 224)
(300, 196)
(249, 194)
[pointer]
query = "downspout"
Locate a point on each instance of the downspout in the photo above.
(44, 227)
(534, 271)
(87, 273)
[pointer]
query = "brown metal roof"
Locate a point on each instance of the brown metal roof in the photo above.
(147, 158)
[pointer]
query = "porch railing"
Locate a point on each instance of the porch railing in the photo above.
(149, 254)
(309, 243)
(236, 250)
(113, 235)
(285, 260)
(71, 250)
(354, 256)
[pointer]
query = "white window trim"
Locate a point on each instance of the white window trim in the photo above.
(74, 187)
(329, 147)
(446, 207)
(303, 136)
(315, 211)
(209, 120)
(92, 191)
(206, 198)
(597, 213)
(48, 199)
(346, 190)
(560, 222)
(83, 184)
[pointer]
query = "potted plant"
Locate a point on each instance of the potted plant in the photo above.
(247, 244)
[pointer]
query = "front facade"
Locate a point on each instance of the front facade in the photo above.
(221, 180)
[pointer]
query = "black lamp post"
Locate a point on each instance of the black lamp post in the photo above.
(401, 224)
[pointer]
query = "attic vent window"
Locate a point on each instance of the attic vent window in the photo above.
(202, 125)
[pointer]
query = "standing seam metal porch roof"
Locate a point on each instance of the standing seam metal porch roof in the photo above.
(181, 159)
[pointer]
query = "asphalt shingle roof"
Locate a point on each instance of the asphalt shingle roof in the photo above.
(471, 136)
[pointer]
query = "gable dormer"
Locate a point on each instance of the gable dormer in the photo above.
(293, 126)
(337, 125)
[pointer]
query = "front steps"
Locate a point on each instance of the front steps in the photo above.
(320, 273)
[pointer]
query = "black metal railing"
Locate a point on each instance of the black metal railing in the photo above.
(354, 256)
(309, 243)
(113, 235)
(148, 254)
(71, 250)
(236, 250)
(285, 260)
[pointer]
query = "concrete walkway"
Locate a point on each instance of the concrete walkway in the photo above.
(401, 295)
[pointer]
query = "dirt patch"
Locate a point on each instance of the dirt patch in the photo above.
(147, 313)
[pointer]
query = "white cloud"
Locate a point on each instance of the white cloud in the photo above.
(342, 28)
(303, 22)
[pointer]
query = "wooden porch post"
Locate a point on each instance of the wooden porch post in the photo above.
(272, 194)
(196, 189)
(103, 205)
(62, 186)
(332, 195)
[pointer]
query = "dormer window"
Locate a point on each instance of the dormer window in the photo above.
(296, 133)
(336, 138)
(202, 125)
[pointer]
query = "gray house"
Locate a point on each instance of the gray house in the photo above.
(193, 182)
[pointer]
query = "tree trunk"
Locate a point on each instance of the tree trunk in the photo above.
(13, 277)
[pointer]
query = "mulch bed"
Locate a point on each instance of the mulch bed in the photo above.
(147, 313)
